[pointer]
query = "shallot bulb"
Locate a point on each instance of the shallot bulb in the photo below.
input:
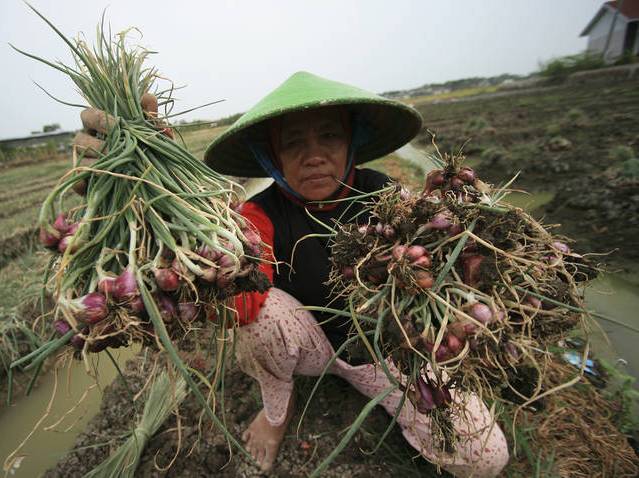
(166, 279)
(424, 279)
(136, 305)
(454, 344)
(388, 231)
(399, 251)
(425, 401)
(90, 309)
(442, 396)
(61, 327)
(78, 342)
(126, 287)
(254, 242)
(188, 311)
(60, 224)
(512, 350)
(455, 229)
(63, 245)
(434, 180)
(458, 329)
(107, 285)
(423, 262)
(209, 274)
(206, 252)
(224, 280)
(561, 247)
(379, 228)
(442, 353)
(73, 228)
(415, 252)
(439, 222)
(471, 265)
(348, 272)
(533, 302)
(467, 175)
(49, 238)
(363, 229)
(456, 182)
(252, 237)
(167, 307)
(404, 194)
(481, 313)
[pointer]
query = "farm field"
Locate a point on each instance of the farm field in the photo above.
(508, 134)
(572, 142)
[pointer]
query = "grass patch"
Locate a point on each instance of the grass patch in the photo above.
(403, 171)
(21, 281)
(621, 153)
(576, 117)
(460, 93)
(630, 168)
(558, 69)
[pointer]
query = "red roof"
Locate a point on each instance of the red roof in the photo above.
(629, 9)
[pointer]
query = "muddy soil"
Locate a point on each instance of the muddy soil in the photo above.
(204, 452)
(561, 140)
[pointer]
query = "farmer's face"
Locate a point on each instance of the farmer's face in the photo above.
(313, 152)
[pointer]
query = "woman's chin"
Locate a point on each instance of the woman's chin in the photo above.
(319, 193)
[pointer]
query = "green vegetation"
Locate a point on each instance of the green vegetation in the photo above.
(476, 124)
(456, 94)
(558, 69)
(621, 153)
(630, 168)
(576, 117)
(624, 397)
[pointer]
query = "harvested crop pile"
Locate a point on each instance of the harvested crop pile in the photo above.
(464, 293)
(155, 247)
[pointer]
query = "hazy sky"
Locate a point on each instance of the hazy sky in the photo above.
(240, 50)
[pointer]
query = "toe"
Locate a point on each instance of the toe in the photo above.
(259, 457)
(269, 459)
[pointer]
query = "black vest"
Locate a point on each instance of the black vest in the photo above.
(311, 264)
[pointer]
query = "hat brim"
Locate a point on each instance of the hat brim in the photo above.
(390, 124)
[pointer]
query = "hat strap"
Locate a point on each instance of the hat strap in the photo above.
(361, 134)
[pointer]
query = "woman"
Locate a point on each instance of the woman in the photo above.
(308, 135)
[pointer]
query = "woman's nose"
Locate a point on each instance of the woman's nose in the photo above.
(314, 151)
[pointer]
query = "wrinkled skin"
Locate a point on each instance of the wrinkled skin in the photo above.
(313, 149)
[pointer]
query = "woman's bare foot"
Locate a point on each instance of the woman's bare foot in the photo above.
(263, 439)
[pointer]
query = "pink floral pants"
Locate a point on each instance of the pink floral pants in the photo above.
(285, 340)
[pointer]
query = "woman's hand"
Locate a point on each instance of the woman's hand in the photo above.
(96, 125)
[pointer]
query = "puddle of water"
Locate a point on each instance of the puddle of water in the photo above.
(45, 448)
(617, 296)
(529, 201)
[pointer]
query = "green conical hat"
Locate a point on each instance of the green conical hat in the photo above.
(393, 124)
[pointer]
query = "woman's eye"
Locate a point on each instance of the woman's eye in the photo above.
(290, 143)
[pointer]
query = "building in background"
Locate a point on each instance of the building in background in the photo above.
(613, 30)
(59, 140)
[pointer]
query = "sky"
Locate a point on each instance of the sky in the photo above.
(238, 51)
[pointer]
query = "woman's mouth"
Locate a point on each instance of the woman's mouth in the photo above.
(317, 178)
